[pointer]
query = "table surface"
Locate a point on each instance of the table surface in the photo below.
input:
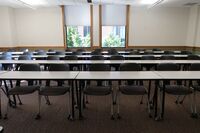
(117, 75)
(97, 61)
(40, 75)
(175, 75)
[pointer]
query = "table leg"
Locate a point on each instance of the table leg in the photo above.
(72, 92)
(80, 99)
(163, 101)
(155, 99)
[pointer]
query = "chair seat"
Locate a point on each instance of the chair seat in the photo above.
(196, 87)
(22, 90)
(132, 89)
(177, 90)
(54, 90)
(98, 90)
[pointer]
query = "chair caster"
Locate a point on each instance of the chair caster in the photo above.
(20, 103)
(5, 117)
(181, 102)
(119, 117)
(176, 102)
(86, 102)
(141, 102)
(194, 115)
(150, 116)
(70, 118)
(38, 117)
(112, 117)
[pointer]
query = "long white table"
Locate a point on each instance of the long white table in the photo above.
(97, 61)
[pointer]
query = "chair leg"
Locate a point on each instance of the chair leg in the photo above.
(112, 106)
(20, 102)
(177, 99)
(39, 107)
(141, 101)
(118, 104)
(193, 105)
(181, 102)
(47, 100)
(7, 108)
(69, 107)
(148, 106)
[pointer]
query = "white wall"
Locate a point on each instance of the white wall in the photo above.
(95, 25)
(158, 26)
(7, 32)
(197, 37)
(40, 27)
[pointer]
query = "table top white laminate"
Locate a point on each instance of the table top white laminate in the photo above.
(175, 75)
(40, 75)
(117, 75)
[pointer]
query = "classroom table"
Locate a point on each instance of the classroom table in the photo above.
(113, 76)
(42, 75)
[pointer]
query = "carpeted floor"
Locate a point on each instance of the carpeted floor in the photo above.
(97, 117)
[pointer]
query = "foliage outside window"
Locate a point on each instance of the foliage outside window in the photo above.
(78, 36)
(113, 36)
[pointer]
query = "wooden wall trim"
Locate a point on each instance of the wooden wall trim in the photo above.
(91, 25)
(100, 25)
(63, 25)
(127, 25)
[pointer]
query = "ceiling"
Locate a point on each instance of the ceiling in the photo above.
(165, 3)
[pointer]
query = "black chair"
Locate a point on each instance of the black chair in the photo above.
(51, 57)
(77, 53)
(39, 50)
(100, 88)
(186, 52)
(25, 89)
(72, 66)
(148, 52)
(176, 88)
(167, 57)
(195, 85)
(168, 52)
(116, 57)
(131, 87)
(97, 57)
(148, 66)
(58, 90)
(193, 57)
(23, 57)
(96, 52)
(113, 51)
(28, 53)
(60, 53)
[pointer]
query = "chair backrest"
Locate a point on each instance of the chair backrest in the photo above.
(28, 53)
(7, 53)
(53, 57)
(4, 57)
(24, 57)
(76, 53)
(51, 50)
(60, 53)
(39, 50)
(41, 53)
(168, 52)
(117, 57)
(167, 67)
(167, 57)
(156, 49)
(130, 67)
(193, 57)
(71, 57)
(148, 52)
(97, 57)
(59, 67)
(113, 51)
(148, 57)
(29, 67)
(186, 52)
(195, 67)
(99, 67)
(134, 52)
(96, 52)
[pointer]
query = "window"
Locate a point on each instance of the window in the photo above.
(113, 30)
(113, 36)
(77, 20)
